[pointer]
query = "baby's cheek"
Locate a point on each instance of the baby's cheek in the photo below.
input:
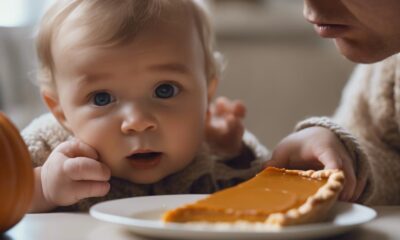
(101, 139)
(186, 144)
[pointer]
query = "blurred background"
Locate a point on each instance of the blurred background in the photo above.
(276, 64)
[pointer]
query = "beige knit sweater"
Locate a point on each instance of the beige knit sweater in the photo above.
(368, 123)
(207, 173)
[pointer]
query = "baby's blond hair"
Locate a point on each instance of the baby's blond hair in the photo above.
(116, 22)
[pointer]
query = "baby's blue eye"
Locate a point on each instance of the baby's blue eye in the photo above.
(166, 90)
(102, 99)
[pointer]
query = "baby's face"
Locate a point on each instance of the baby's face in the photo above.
(143, 105)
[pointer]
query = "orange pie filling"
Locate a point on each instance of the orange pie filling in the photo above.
(271, 191)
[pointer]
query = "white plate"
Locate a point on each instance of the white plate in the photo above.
(142, 216)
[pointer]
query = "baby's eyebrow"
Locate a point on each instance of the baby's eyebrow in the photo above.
(171, 67)
(91, 78)
(164, 67)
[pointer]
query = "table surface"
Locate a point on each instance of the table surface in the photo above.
(62, 226)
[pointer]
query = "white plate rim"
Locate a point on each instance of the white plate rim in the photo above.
(154, 228)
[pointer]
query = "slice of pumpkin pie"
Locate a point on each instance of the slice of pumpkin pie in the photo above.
(277, 197)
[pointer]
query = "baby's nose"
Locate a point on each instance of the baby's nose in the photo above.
(138, 120)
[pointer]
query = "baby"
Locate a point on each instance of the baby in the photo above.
(129, 85)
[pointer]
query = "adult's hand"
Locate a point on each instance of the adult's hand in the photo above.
(318, 148)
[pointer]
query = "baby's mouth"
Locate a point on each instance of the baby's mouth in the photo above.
(144, 156)
(145, 160)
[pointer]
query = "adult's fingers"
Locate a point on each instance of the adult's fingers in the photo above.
(360, 186)
(279, 158)
(76, 148)
(335, 160)
(350, 181)
(86, 189)
(330, 159)
(82, 168)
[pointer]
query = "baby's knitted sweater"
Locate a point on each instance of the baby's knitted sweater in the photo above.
(207, 173)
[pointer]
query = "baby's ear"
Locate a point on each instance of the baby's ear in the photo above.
(53, 104)
(212, 88)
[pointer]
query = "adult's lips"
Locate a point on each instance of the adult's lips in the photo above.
(331, 30)
(328, 29)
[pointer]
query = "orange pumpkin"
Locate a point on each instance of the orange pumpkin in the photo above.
(16, 175)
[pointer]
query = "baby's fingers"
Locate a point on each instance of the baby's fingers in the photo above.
(225, 106)
(76, 148)
(86, 189)
(234, 127)
(222, 106)
(82, 168)
(239, 109)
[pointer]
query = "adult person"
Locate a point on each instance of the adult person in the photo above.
(363, 137)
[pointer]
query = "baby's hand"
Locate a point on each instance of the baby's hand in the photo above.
(72, 173)
(317, 148)
(224, 129)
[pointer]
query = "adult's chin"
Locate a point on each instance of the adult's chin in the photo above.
(362, 53)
